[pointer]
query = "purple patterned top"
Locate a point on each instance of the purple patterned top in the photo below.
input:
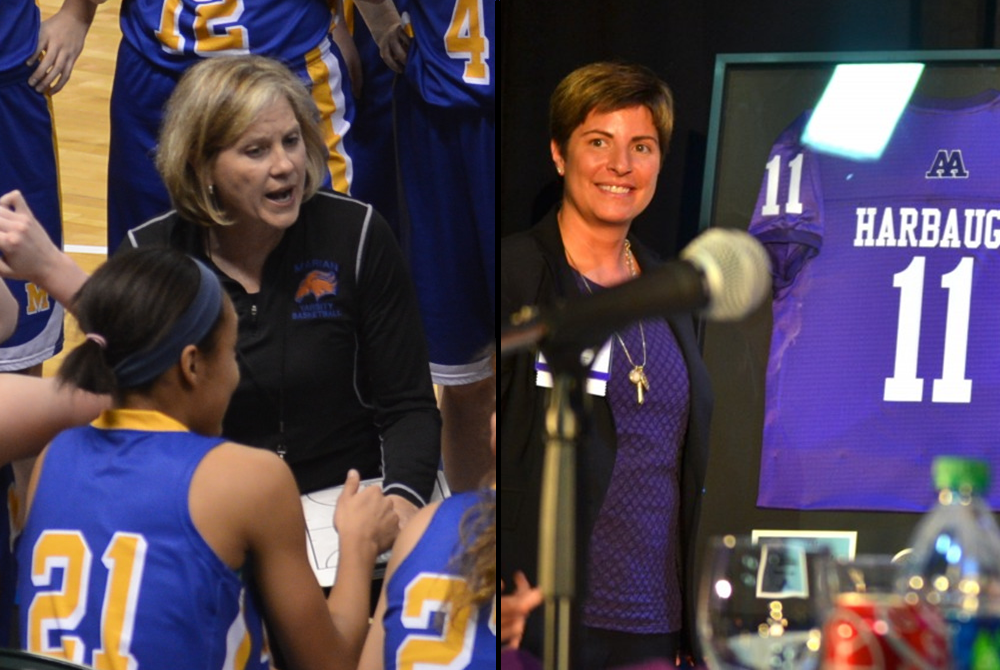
(634, 560)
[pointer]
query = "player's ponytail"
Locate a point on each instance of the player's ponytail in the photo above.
(478, 562)
(137, 312)
(86, 367)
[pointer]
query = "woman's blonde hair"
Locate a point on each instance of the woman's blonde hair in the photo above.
(213, 105)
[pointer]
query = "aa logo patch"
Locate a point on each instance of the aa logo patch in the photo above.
(948, 165)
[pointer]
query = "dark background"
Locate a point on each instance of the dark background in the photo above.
(546, 39)
(543, 40)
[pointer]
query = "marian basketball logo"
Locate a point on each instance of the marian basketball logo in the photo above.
(317, 290)
(317, 284)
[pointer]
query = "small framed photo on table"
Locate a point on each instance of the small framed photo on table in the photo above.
(842, 543)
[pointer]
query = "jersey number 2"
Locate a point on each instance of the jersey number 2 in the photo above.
(425, 596)
(63, 608)
(466, 40)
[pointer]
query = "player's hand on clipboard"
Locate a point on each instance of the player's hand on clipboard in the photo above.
(365, 515)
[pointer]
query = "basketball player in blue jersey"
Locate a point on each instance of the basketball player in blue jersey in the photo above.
(373, 149)
(445, 116)
(439, 599)
(162, 38)
(141, 549)
(36, 59)
(32, 412)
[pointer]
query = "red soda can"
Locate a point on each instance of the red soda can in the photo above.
(884, 632)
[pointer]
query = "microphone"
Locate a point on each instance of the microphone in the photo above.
(723, 274)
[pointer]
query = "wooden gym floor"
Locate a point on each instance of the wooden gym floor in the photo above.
(81, 117)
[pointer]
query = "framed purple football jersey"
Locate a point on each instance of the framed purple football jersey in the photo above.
(884, 351)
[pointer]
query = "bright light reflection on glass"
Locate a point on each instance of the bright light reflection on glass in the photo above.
(859, 108)
(954, 554)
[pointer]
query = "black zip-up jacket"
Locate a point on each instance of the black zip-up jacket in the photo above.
(331, 347)
(534, 271)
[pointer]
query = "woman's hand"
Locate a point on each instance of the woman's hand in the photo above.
(514, 610)
(390, 31)
(60, 41)
(27, 253)
(393, 46)
(404, 509)
(365, 515)
(27, 250)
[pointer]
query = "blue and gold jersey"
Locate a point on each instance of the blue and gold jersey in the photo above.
(453, 58)
(186, 30)
(421, 628)
(111, 569)
(19, 24)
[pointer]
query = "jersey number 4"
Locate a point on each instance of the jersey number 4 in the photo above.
(466, 40)
(62, 609)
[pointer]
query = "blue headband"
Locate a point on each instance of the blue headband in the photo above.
(193, 325)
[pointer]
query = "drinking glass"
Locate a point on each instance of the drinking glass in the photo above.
(762, 606)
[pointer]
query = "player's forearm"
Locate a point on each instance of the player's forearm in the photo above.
(412, 454)
(381, 16)
(62, 278)
(82, 10)
(349, 601)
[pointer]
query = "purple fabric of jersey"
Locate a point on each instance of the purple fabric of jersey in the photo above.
(883, 351)
(633, 581)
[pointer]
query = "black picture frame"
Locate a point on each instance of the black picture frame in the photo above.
(755, 97)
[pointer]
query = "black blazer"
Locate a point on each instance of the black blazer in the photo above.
(534, 271)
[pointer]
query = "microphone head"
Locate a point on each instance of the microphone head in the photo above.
(736, 268)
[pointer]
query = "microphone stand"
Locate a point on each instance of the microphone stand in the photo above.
(559, 521)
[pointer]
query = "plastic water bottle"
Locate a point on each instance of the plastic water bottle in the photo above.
(955, 563)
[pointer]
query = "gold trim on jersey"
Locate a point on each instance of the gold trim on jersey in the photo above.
(328, 94)
(138, 419)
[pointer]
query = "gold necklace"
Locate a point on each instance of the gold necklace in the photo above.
(638, 373)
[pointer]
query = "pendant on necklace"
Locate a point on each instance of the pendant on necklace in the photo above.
(638, 377)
